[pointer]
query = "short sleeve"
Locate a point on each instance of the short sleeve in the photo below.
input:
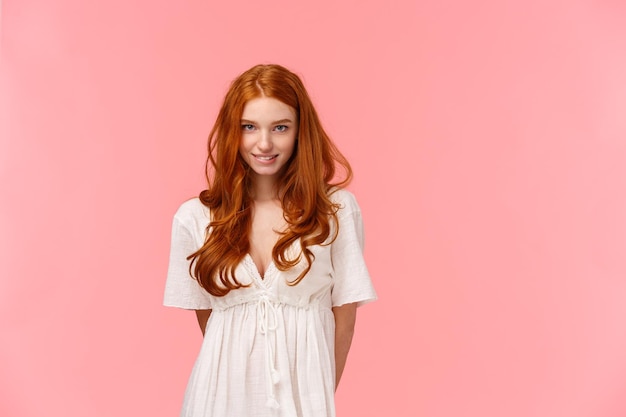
(352, 282)
(181, 290)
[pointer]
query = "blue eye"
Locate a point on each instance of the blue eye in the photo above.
(281, 128)
(247, 127)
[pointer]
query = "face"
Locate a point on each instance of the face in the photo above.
(268, 135)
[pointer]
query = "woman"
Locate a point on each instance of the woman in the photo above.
(270, 257)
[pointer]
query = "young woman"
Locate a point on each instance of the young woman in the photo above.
(270, 257)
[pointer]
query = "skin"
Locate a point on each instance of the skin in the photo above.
(345, 319)
(269, 129)
(203, 318)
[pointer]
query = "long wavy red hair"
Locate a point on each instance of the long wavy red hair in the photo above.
(305, 184)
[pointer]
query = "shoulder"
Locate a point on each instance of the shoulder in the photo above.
(345, 199)
(192, 212)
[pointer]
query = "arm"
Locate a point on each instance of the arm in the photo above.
(203, 317)
(345, 318)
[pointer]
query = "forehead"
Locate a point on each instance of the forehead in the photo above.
(267, 109)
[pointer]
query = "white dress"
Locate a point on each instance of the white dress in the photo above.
(268, 349)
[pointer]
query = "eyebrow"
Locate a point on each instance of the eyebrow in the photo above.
(277, 122)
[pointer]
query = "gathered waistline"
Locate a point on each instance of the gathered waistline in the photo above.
(252, 301)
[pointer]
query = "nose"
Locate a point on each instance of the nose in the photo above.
(265, 141)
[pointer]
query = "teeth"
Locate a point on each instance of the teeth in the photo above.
(265, 158)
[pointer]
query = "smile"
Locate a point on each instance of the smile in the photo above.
(265, 157)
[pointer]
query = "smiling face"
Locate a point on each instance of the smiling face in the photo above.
(268, 136)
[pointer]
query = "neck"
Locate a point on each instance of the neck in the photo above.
(264, 188)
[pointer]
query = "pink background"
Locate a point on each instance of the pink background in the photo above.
(489, 145)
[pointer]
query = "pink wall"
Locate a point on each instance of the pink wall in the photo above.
(488, 140)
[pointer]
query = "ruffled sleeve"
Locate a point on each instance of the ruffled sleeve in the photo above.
(351, 279)
(181, 290)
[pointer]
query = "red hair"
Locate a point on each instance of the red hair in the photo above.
(305, 184)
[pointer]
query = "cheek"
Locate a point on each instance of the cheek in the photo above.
(244, 144)
(243, 152)
(294, 145)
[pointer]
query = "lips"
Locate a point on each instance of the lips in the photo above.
(265, 157)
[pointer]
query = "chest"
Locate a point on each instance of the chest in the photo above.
(267, 223)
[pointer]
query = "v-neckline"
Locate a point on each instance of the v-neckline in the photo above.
(254, 269)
